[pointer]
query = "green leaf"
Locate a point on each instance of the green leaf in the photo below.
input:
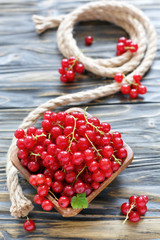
(79, 201)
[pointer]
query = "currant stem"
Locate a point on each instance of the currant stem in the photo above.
(74, 62)
(57, 124)
(128, 212)
(37, 136)
(72, 133)
(49, 135)
(117, 160)
(27, 218)
(98, 154)
(80, 172)
(91, 124)
(124, 76)
(53, 195)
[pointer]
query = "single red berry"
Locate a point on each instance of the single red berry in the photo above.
(88, 40)
(29, 225)
(51, 149)
(108, 173)
(70, 75)
(122, 153)
(93, 166)
(140, 202)
(117, 143)
(63, 78)
(128, 42)
(31, 131)
(57, 187)
(95, 185)
(142, 210)
(70, 177)
(133, 47)
(125, 207)
(48, 182)
(88, 189)
(47, 205)
(69, 167)
(59, 175)
(64, 63)
(137, 77)
(72, 60)
(82, 144)
(48, 172)
(33, 166)
(107, 151)
(62, 71)
(142, 89)
(22, 153)
(133, 93)
(63, 202)
(38, 199)
(77, 158)
(79, 68)
(120, 47)
(115, 166)
(43, 190)
(20, 144)
(118, 77)
(19, 133)
(122, 39)
(104, 164)
(132, 199)
(68, 191)
(64, 157)
(61, 116)
(56, 131)
(106, 127)
(69, 120)
(40, 179)
(125, 89)
(145, 198)
(49, 160)
(98, 176)
(134, 216)
(25, 162)
(88, 155)
(47, 125)
(62, 142)
(116, 134)
(79, 187)
(33, 180)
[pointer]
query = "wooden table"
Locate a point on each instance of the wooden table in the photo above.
(29, 76)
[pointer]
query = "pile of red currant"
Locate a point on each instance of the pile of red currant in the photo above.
(71, 154)
(124, 45)
(135, 208)
(68, 69)
(133, 88)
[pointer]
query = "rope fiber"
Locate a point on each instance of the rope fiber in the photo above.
(140, 30)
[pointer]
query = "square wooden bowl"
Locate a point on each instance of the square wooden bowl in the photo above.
(69, 212)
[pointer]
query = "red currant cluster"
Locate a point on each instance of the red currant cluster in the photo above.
(133, 88)
(71, 154)
(68, 69)
(135, 208)
(124, 45)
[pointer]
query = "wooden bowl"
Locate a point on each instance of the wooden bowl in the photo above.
(69, 212)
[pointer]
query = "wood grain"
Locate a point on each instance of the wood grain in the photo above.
(29, 77)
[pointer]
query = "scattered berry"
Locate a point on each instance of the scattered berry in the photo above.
(29, 225)
(88, 40)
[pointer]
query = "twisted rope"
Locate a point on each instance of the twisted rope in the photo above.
(140, 30)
